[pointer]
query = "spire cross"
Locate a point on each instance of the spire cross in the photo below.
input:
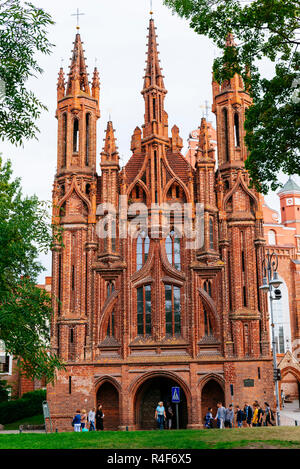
(205, 110)
(77, 14)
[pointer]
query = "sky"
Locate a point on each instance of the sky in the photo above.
(114, 35)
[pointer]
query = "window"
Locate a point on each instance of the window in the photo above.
(226, 142)
(110, 287)
(173, 310)
(207, 287)
(64, 140)
(75, 136)
(173, 250)
(110, 332)
(207, 324)
(5, 362)
(272, 237)
(142, 250)
(144, 310)
(87, 136)
(154, 110)
(236, 130)
(211, 234)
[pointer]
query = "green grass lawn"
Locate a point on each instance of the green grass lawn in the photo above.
(35, 420)
(277, 437)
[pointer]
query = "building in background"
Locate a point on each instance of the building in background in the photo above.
(282, 234)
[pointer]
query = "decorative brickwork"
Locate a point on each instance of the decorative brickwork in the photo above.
(138, 315)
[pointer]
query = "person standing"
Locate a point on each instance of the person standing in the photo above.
(77, 421)
(229, 416)
(255, 416)
(282, 397)
(169, 413)
(91, 419)
(249, 414)
(269, 415)
(209, 418)
(239, 416)
(220, 416)
(83, 419)
(160, 415)
(99, 418)
(260, 415)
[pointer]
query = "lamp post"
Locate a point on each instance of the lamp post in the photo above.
(271, 284)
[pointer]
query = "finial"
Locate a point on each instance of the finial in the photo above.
(77, 14)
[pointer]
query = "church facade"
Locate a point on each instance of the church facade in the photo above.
(136, 314)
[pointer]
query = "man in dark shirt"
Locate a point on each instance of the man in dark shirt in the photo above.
(249, 414)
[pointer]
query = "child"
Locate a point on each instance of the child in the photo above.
(209, 418)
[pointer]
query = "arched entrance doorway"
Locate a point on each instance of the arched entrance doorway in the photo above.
(290, 386)
(212, 393)
(148, 395)
(108, 397)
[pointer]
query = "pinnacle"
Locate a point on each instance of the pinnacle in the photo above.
(78, 67)
(110, 148)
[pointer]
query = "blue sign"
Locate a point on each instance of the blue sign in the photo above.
(176, 395)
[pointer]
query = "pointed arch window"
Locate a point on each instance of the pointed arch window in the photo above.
(142, 250)
(173, 309)
(226, 141)
(110, 332)
(87, 137)
(75, 136)
(173, 250)
(236, 130)
(64, 150)
(110, 288)
(211, 233)
(207, 286)
(144, 310)
(207, 324)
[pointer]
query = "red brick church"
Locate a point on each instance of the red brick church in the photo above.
(139, 314)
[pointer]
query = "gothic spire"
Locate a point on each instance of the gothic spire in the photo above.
(110, 149)
(156, 119)
(78, 76)
(205, 146)
(153, 76)
(61, 84)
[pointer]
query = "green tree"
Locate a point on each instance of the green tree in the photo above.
(263, 29)
(23, 34)
(4, 390)
(25, 309)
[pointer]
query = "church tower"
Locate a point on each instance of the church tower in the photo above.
(241, 229)
(74, 202)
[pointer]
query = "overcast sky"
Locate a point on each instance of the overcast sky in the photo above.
(114, 35)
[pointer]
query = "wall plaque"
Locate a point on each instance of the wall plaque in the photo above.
(248, 383)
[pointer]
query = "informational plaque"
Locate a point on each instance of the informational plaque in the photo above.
(248, 383)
